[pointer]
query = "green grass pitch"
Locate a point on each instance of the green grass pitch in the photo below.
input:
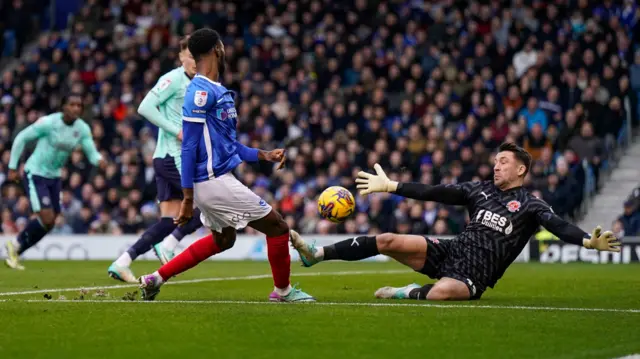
(220, 310)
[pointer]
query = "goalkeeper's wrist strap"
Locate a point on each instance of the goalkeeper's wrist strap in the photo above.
(392, 186)
(586, 241)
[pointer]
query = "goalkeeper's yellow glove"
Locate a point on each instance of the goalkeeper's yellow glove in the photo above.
(370, 183)
(606, 241)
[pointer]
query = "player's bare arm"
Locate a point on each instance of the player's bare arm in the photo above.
(103, 164)
(249, 154)
(186, 208)
(13, 176)
(277, 155)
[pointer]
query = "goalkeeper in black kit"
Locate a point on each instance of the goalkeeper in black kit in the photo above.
(503, 217)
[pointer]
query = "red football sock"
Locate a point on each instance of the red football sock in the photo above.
(278, 253)
(198, 251)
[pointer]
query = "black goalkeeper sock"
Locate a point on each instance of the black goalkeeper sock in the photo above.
(352, 249)
(420, 293)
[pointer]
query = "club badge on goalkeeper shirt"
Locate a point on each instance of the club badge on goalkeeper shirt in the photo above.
(513, 206)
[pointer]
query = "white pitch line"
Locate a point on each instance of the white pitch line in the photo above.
(214, 279)
(347, 304)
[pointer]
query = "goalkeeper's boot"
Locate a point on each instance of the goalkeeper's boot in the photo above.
(295, 295)
(396, 292)
(149, 286)
(306, 251)
(123, 274)
(13, 258)
(163, 254)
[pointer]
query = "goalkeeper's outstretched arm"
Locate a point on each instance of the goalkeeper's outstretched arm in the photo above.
(570, 233)
(447, 194)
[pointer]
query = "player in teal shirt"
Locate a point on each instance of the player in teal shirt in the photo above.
(162, 106)
(58, 135)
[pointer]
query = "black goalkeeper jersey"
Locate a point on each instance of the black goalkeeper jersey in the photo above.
(500, 223)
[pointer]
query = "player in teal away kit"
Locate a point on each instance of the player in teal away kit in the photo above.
(58, 135)
(163, 107)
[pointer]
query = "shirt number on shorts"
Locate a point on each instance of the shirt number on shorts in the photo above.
(236, 218)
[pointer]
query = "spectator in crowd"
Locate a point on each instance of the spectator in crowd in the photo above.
(429, 89)
(617, 227)
(588, 147)
(526, 58)
(536, 142)
(630, 219)
(534, 115)
(61, 227)
(569, 130)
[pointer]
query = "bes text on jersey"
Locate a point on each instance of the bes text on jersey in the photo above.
(494, 221)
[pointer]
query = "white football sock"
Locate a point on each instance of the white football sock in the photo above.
(170, 243)
(124, 260)
(283, 292)
(16, 244)
(319, 254)
(158, 277)
(407, 290)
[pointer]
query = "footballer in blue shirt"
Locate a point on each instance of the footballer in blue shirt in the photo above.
(210, 152)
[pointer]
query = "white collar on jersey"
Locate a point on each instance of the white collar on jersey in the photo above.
(208, 79)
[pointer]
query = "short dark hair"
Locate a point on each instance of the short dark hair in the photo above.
(184, 43)
(521, 154)
(202, 41)
(69, 95)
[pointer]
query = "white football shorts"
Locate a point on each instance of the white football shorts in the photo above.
(226, 202)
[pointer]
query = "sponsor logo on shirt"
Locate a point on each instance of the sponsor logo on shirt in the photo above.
(494, 221)
(227, 113)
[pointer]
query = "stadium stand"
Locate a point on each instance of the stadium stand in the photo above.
(21, 20)
(428, 89)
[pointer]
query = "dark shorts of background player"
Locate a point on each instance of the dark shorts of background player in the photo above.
(444, 259)
(167, 179)
(43, 192)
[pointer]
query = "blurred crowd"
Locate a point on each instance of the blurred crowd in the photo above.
(20, 20)
(628, 223)
(428, 89)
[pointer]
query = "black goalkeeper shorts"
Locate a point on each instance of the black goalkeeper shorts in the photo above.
(444, 259)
